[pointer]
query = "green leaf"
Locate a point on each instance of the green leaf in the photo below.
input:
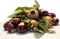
(26, 20)
(50, 31)
(35, 29)
(36, 6)
(19, 14)
(43, 24)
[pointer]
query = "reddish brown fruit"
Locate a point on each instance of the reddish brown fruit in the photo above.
(5, 25)
(22, 27)
(10, 28)
(52, 15)
(55, 21)
(43, 12)
(16, 21)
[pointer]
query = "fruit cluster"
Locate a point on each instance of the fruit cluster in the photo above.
(17, 25)
(32, 19)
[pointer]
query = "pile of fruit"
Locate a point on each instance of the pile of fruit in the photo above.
(31, 19)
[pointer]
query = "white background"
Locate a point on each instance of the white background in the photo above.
(8, 6)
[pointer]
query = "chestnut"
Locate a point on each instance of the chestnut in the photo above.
(22, 27)
(10, 28)
(52, 15)
(43, 12)
(5, 25)
(55, 21)
(16, 20)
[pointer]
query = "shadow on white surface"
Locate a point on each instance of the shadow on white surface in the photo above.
(17, 33)
(38, 36)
